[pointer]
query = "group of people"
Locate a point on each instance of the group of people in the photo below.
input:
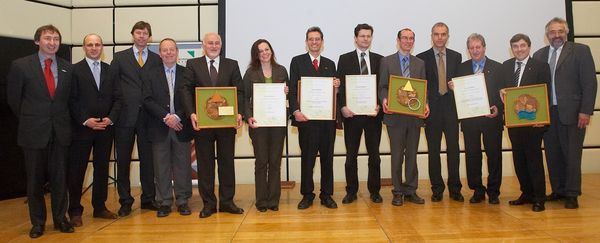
(66, 110)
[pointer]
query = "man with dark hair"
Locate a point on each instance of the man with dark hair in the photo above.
(360, 61)
(315, 136)
(127, 68)
(38, 89)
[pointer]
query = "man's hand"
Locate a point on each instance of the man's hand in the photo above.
(502, 95)
(252, 122)
(584, 120)
(347, 113)
(426, 111)
(239, 121)
(300, 117)
(494, 110)
(451, 85)
(385, 107)
(95, 123)
(286, 90)
(173, 122)
(194, 122)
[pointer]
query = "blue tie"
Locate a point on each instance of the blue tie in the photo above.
(405, 67)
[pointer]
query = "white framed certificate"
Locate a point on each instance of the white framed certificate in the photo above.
(317, 98)
(361, 94)
(471, 97)
(269, 104)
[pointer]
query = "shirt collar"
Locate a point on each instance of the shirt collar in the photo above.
(358, 52)
(43, 58)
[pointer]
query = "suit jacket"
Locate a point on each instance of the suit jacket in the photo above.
(198, 76)
(29, 99)
(157, 104)
(575, 80)
(453, 60)
(279, 75)
(492, 85)
(390, 65)
(126, 72)
(88, 101)
(348, 64)
(301, 66)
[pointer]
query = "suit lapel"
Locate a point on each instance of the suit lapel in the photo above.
(525, 80)
(564, 53)
(354, 62)
(103, 74)
(37, 69)
(62, 75)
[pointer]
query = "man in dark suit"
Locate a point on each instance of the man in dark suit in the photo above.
(169, 131)
(403, 130)
(211, 70)
(360, 61)
(127, 68)
(38, 91)
(94, 104)
(526, 141)
(314, 136)
(441, 65)
(488, 127)
(573, 95)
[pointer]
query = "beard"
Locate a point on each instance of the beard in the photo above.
(557, 42)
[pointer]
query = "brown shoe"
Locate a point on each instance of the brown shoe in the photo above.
(105, 214)
(76, 221)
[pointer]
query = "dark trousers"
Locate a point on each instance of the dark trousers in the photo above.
(353, 130)
(205, 156)
(268, 148)
(50, 161)
(527, 158)
(79, 153)
(124, 140)
(316, 137)
(473, 130)
(442, 119)
(563, 147)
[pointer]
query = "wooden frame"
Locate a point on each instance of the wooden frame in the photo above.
(526, 106)
(216, 107)
(407, 96)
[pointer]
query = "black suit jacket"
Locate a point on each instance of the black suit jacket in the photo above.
(87, 101)
(301, 66)
(348, 65)
(453, 60)
(29, 99)
(127, 73)
(493, 86)
(157, 104)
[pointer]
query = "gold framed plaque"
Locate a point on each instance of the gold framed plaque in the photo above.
(407, 96)
(526, 106)
(216, 107)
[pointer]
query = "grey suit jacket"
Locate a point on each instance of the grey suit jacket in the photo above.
(575, 80)
(390, 65)
(279, 75)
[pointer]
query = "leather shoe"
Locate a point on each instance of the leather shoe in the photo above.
(184, 209)
(376, 198)
(163, 211)
(494, 200)
(274, 208)
(64, 227)
(103, 214)
(554, 197)
(349, 198)
(519, 201)
(261, 209)
(437, 197)
(476, 198)
(149, 206)
(538, 207)
(207, 212)
(36, 231)
(328, 202)
(457, 196)
(232, 209)
(76, 221)
(305, 203)
(124, 210)
(571, 203)
(398, 200)
(414, 198)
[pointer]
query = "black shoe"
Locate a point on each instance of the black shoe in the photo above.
(232, 209)
(554, 197)
(398, 200)
(149, 206)
(376, 198)
(494, 200)
(538, 207)
(274, 208)
(457, 196)
(349, 198)
(305, 203)
(207, 212)
(261, 209)
(477, 198)
(163, 211)
(328, 202)
(36, 231)
(519, 201)
(64, 227)
(184, 209)
(124, 210)
(414, 198)
(437, 197)
(571, 203)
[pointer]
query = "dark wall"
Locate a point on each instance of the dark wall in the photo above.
(12, 169)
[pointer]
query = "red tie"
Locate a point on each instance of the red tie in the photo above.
(316, 64)
(49, 77)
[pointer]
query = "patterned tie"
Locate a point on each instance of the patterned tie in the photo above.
(316, 64)
(405, 67)
(171, 82)
(213, 73)
(517, 74)
(96, 73)
(478, 68)
(363, 64)
(443, 89)
(140, 59)
(49, 77)
(552, 63)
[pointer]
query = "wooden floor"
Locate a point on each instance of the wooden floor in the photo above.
(362, 221)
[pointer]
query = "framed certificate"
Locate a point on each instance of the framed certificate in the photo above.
(361, 94)
(317, 98)
(216, 107)
(471, 97)
(407, 95)
(268, 102)
(526, 106)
